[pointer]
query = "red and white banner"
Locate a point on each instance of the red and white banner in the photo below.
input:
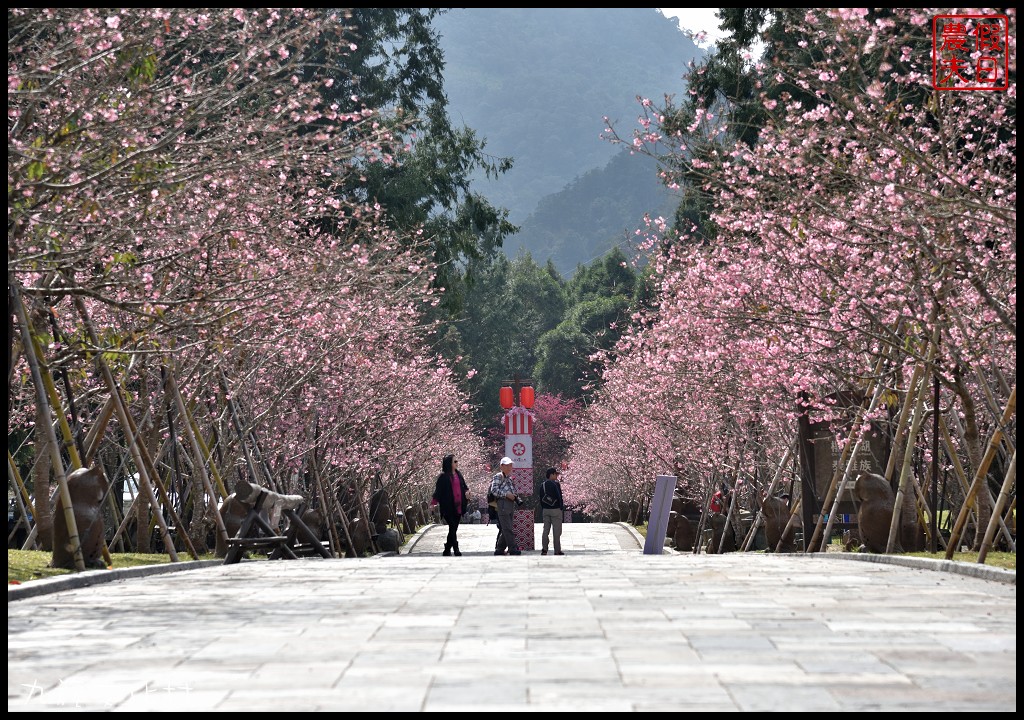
(518, 421)
(520, 449)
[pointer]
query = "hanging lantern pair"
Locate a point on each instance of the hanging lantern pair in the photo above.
(507, 397)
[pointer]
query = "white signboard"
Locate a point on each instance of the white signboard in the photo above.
(520, 449)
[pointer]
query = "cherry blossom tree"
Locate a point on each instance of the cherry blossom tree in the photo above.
(870, 230)
(176, 203)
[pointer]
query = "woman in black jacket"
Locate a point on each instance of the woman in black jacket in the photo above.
(452, 495)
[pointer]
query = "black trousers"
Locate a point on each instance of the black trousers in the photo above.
(453, 530)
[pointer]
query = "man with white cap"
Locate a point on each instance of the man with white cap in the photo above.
(504, 490)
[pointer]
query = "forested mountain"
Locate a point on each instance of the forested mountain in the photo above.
(594, 213)
(537, 85)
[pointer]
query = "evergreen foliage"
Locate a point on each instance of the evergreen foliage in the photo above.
(594, 213)
(538, 83)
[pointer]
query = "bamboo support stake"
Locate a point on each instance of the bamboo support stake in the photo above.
(992, 405)
(29, 345)
(21, 495)
(982, 380)
(70, 446)
(370, 528)
(1004, 492)
(840, 472)
(57, 406)
(901, 423)
(30, 541)
(908, 456)
(728, 515)
(981, 473)
(135, 445)
(243, 436)
(961, 476)
(923, 508)
(135, 500)
(827, 534)
(208, 455)
(154, 476)
(846, 459)
(795, 510)
(332, 529)
(793, 514)
(759, 517)
(262, 461)
(954, 460)
(344, 521)
(200, 465)
(15, 475)
(125, 519)
(704, 511)
(1011, 511)
(91, 443)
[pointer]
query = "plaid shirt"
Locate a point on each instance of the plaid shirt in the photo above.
(501, 486)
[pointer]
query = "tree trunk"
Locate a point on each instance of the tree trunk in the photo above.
(41, 487)
(972, 441)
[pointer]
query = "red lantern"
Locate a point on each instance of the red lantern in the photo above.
(505, 397)
(526, 397)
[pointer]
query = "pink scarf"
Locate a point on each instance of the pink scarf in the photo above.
(456, 490)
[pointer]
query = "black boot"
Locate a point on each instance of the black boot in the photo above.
(447, 550)
(455, 550)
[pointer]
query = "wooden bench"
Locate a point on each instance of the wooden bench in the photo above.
(255, 533)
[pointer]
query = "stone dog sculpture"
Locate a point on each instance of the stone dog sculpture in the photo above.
(775, 512)
(874, 499)
(87, 487)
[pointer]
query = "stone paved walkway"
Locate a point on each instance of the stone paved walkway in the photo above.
(603, 628)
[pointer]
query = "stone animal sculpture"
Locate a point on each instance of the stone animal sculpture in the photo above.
(682, 523)
(721, 527)
(314, 519)
(87, 487)
(409, 523)
(380, 510)
(683, 534)
(775, 512)
(874, 499)
(624, 511)
(389, 540)
(635, 516)
(360, 531)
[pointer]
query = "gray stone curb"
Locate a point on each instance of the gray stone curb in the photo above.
(74, 581)
(45, 586)
(975, 570)
(410, 544)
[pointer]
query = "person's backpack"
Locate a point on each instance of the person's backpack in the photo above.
(490, 497)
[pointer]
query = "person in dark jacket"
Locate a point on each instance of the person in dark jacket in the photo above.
(552, 506)
(452, 495)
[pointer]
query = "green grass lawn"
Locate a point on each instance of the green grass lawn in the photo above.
(1004, 560)
(26, 565)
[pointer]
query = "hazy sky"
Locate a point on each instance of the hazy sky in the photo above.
(696, 19)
